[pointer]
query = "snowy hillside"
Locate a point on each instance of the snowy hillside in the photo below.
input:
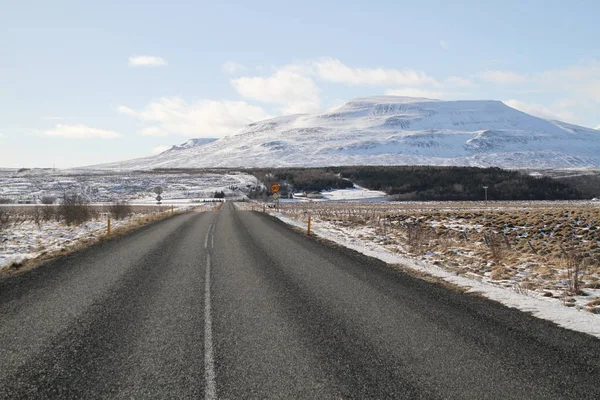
(391, 130)
(193, 143)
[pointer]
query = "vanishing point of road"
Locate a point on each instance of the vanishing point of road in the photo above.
(235, 305)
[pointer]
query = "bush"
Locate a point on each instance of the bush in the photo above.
(120, 210)
(74, 210)
(48, 200)
(4, 220)
(4, 200)
(48, 212)
(219, 195)
(495, 244)
(37, 214)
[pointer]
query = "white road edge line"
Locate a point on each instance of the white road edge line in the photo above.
(209, 362)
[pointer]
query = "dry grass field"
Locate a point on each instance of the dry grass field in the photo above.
(546, 249)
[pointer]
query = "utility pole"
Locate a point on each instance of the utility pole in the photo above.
(485, 188)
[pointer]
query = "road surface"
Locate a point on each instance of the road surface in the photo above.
(235, 305)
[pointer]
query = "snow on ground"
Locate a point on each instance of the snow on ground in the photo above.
(27, 240)
(31, 186)
(361, 239)
(357, 193)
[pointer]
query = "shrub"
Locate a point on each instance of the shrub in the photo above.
(495, 244)
(4, 220)
(48, 212)
(417, 236)
(74, 210)
(574, 265)
(36, 213)
(48, 200)
(120, 210)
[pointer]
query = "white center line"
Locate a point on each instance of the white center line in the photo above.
(209, 362)
(207, 236)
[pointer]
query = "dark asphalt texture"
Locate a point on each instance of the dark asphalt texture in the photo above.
(236, 305)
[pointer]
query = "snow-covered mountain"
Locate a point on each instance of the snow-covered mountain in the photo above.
(192, 143)
(391, 130)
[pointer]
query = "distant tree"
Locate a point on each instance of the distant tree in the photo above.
(457, 183)
(423, 183)
(48, 199)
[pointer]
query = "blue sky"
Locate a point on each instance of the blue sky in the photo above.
(85, 82)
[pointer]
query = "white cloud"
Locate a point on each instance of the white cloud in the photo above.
(541, 111)
(153, 131)
(597, 128)
(571, 73)
(333, 70)
(415, 92)
(444, 45)
(502, 77)
(53, 118)
(589, 88)
(232, 68)
(581, 83)
(205, 118)
(127, 111)
(80, 132)
(458, 81)
(566, 103)
(160, 149)
(573, 92)
(146, 61)
(288, 87)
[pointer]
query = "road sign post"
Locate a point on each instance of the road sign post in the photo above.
(158, 190)
(275, 188)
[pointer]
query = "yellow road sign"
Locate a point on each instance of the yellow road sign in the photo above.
(275, 196)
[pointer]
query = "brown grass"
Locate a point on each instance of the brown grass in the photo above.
(502, 240)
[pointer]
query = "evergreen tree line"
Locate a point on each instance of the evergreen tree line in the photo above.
(302, 179)
(458, 183)
(423, 183)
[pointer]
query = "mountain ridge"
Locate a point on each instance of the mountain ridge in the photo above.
(391, 130)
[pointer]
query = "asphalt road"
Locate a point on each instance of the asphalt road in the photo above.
(235, 305)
